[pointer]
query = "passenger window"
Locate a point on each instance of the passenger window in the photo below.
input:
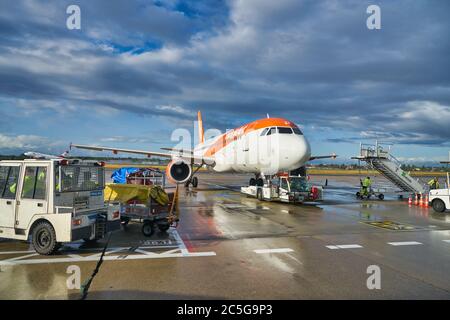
(263, 133)
(8, 182)
(297, 131)
(272, 131)
(34, 183)
(283, 130)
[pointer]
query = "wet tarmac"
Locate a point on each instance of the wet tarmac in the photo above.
(229, 246)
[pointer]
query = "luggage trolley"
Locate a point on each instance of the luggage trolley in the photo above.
(138, 200)
(150, 214)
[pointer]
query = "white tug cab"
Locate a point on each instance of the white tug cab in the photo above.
(440, 198)
(54, 201)
(285, 188)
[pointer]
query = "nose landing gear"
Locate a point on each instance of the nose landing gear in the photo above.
(193, 181)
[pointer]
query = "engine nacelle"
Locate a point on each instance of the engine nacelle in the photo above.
(178, 171)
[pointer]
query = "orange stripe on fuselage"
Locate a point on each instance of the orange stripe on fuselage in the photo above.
(232, 135)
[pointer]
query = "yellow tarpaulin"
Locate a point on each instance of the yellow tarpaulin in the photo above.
(127, 192)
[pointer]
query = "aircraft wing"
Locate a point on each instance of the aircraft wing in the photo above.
(178, 150)
(186, 155)
(332, 156)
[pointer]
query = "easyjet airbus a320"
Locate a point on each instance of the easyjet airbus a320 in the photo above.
(263, 147)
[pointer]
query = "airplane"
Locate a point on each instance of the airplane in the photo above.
(263, 147)
(38, 155)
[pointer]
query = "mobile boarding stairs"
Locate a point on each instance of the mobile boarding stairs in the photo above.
(380, 159)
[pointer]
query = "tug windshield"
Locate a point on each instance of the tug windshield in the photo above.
(298, 184)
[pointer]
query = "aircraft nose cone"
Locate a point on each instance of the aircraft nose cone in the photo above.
(303, 150)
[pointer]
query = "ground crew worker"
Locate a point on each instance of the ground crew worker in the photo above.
(434, 183)
(12, 188)
(365, 186)
(28, 184)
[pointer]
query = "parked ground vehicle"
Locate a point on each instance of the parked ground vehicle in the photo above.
(371, 192)
(440, 198)
(285, 188)
(54, 201)
(150, 213)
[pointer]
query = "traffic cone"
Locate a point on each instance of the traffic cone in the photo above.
(421, 201)
(426, 204)
(416, 200)
(410, 201)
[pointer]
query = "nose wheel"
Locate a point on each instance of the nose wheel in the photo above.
(257, 181)
(193, 181)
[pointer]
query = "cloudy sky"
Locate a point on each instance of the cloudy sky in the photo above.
(137, 70)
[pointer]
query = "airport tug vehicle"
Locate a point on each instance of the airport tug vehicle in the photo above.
(440, 198)
(285, 188)
(54, 201)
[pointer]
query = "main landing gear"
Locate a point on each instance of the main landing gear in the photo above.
(257, 181)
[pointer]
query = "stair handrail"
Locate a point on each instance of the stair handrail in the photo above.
(395, 160)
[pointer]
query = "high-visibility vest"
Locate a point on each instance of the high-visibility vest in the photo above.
(433, 184)
(28, 184)
(367, 183)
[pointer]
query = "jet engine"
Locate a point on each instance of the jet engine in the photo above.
(178, 171)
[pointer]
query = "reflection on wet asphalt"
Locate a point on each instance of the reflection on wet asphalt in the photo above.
(232, 246)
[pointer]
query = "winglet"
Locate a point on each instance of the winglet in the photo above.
(201, 136)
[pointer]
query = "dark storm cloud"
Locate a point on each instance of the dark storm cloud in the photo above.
(314, 62)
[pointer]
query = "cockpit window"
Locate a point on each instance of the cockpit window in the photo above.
(272, 131)
(297, 131)
(263, 133)
(284, 130)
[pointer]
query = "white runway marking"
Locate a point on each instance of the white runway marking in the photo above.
(448, 241)
(107, 258)
(344, 246)
(74, 256)
(404, 243)
(22, 257)
(122, 253)
(280, 250)
(16, 252)
(180, 242)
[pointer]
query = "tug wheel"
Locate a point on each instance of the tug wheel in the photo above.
(438, 205)
(44, 238)
(148, 229)
(381, 196)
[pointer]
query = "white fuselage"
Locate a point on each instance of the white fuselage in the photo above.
(253, 151)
